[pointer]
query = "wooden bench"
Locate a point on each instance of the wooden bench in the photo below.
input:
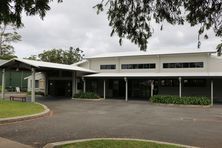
(23, 98)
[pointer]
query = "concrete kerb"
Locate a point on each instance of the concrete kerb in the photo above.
(26, 117)
(56, 144)
(6, 143)
(157, 104)
(80, 99)
(181, 105)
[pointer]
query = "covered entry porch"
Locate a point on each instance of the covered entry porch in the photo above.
(143, 86)
(60, 79)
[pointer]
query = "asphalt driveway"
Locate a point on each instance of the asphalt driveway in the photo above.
(73, 119)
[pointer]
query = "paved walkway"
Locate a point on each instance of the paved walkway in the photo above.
(6, 143)
(73, 120)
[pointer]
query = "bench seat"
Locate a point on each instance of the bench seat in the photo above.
(22, 98)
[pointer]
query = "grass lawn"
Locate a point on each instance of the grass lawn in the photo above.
(15, 108)
(116, 144)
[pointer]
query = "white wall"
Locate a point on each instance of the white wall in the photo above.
(41, 78)
(184, 58)
(94, 64)
(215, 64)
(84, 65)
(139, 60)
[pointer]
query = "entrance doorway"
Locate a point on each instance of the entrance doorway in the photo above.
(60, 88)
(116, 88)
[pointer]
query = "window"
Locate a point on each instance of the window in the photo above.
(139, 66)
(107, 66)
(184, 65)
(36, 83)
(199, 64)
(169, 83)
(194, 83)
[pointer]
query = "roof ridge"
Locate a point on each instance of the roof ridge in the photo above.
(152, 52)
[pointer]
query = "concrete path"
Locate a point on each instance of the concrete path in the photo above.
(72, 120)
(6, 143)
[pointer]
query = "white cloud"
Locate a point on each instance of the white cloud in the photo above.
(75, 23)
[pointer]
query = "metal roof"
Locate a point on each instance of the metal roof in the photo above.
(179, 74)
(80, 62)
(2, 62)
(36, 74)
(152, 52)
(41, 64)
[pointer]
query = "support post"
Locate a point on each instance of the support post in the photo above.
(3, 83)
(151, 87)
(46, 85)
(180, 87)
(104, 89)
(73, 83)
(84, 84)
(33, 85)
(126, 81)
(21, 81)
(212, 92)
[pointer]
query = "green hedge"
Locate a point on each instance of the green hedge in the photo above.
(182, 100)
(86, 95)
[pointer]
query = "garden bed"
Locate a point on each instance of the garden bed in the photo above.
(180, 100)
(86, 95)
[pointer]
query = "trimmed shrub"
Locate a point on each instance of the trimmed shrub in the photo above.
(86, 95)
(183, 100)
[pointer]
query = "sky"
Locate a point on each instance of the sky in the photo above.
(75, 23)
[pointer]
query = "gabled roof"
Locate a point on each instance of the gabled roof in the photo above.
(152, 52)
(40, 64)
(36, 74)
(80, 62)
(2, 62)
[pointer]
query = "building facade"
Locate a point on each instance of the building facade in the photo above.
(129, 75)
(139, 75)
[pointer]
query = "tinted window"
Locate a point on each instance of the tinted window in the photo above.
(170, 83)
(194, 83)
(139, 66)
(107, 66)
(152, 66)
(36, 83)
(184, 65)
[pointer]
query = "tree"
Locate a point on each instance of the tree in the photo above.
(11, 10)
(219, 49)
(32, 57)
(8, 35)
(69, 56)
(132, 19)
(72, 55)
(53, 55)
